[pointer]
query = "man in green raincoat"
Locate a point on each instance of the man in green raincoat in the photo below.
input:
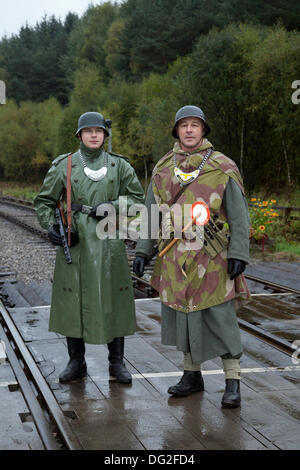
(92, 297)
(200, 285)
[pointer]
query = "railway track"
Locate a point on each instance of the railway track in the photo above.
(52, 420)
(51, 424)
(142, 286)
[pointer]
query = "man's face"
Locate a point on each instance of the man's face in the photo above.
(92, 137)
(190, 131)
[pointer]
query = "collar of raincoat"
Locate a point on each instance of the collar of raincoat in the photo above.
(91, 153)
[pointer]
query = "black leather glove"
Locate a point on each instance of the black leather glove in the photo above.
(139, 265)
(93, 212)
(55, 238)
(54, 235)
(235, 267)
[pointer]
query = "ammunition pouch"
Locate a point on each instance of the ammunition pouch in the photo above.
(216, 237)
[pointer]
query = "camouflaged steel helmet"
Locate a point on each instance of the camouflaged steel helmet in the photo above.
(190, 111)
(93, 119)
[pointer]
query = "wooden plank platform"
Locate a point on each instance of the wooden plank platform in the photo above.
(17, 430)
(110, 416)
(2, 352)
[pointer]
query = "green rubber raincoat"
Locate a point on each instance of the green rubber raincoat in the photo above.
(92, 298)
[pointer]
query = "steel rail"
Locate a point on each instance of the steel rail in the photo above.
(39, 418)
(63, 427)
(17, 202)
(273, 285)
(15, 220)
(269, 338)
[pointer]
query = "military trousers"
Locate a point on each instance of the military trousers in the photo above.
(205, 334)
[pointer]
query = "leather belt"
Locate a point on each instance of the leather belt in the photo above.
(80, 208)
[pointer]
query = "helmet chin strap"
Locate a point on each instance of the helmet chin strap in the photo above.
(109, 123)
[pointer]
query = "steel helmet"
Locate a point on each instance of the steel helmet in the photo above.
(190, 111)
(93, 119)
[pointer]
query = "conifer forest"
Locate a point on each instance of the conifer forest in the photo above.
(137, 62)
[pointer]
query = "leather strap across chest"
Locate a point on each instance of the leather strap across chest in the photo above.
(69, 212)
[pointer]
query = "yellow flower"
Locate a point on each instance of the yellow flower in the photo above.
(273, 200)
(265, 203)
(262, 228)
(253, 199)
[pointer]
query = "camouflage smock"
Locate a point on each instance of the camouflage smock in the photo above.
(191, 280)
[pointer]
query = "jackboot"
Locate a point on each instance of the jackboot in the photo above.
(190, 382)
(76, 366)
(117, 366)
(232, 396)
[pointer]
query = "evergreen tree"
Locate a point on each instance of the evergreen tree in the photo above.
(33, 61)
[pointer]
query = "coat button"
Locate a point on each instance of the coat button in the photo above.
(113, 164)
(75, 181)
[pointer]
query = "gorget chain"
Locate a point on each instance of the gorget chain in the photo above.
(94, 175)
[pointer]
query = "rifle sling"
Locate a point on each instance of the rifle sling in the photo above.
(69, 213)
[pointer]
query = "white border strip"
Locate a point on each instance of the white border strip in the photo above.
(250, 370)
(218, 372)
(6, 384)
(274, 293)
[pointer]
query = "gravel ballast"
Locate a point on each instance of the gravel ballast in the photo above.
(26, 253)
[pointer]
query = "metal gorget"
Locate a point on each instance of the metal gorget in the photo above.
(186, 178)
(94, 175)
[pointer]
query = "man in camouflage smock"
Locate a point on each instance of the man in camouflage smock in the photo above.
(200, 285)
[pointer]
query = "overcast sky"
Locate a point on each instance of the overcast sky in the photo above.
(15, 13)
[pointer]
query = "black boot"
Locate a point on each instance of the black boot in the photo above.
(190, 382)
(117, 367)
(76, 367)
(232, 396)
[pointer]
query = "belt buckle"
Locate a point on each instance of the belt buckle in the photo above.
(85, 209)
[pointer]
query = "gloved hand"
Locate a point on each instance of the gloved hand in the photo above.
(93, 212)
(54, 235)
(139, 265)
(55, 238)
(235, 267)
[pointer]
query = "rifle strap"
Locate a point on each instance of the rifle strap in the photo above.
(69, 213)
